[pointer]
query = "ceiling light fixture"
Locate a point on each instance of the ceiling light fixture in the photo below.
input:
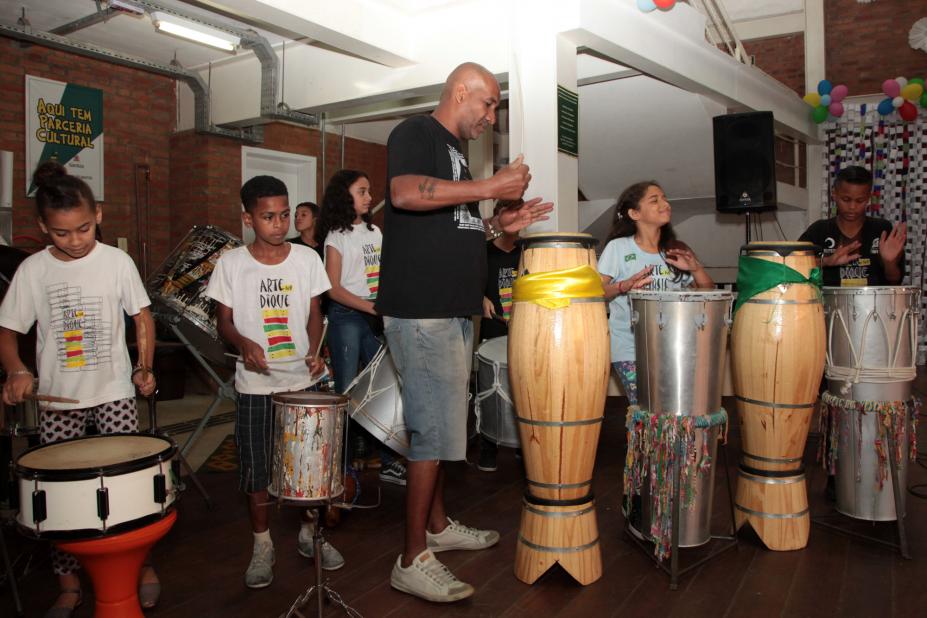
(201, 33)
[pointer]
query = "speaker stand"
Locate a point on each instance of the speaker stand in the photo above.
(747, 220)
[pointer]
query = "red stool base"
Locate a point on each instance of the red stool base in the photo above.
(114, 563)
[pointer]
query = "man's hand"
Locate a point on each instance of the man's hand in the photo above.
(891, 244)
(517, 218)
(252, 355)
(844, 254)
(511, 182)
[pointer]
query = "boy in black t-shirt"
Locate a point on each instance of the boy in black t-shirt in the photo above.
(858, 250)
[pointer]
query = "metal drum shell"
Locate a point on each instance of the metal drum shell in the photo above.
(308, 447)
(496, 418)
(376, 402)
(680, 341)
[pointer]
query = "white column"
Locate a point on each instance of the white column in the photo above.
(542, 59)
(815, 71)
(479, 157)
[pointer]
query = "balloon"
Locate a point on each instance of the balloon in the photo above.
(819, 114)
(908, 111)
(902, 81)
(891, 88)
(812, 98)
(824, 87)
(646, 5)
(917, 80)
(885, 107)
(664, 4)
(897, 102)
(912, 92)
(924, 100)
(825, 100)
(839, 93)
(836, 109)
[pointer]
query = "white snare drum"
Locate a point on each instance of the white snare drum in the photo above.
(95, 486)
(495, 412)
(308, 456)
(376, 402)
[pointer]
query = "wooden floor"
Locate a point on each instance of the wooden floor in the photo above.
(202, 560)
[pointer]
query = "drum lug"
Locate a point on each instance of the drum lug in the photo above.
(661, 320)
(103, 504)
(635, 317)
(160, 488)
(39, 510)
(700, 321)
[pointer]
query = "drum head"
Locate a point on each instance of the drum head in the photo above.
(306, 398)
(682, 296)
(494, 351)
(557, 238)
(95, 453)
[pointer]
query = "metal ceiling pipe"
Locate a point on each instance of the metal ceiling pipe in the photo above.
(200, 90)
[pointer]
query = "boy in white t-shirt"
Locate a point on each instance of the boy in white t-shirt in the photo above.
(267, 296)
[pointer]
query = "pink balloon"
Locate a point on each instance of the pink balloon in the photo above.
(891, 88)
(835, 109)
(907, 111)
(839, 93)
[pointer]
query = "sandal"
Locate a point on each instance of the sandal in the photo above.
(149, 593)
(62, 611)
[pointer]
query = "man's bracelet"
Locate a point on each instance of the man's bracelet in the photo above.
(19, 372)
(492, 233)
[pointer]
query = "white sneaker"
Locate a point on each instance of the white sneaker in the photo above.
(332, 560)
(458, 536)
(429, 579)
(260, 570)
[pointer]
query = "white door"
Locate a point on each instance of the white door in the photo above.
(296, 171)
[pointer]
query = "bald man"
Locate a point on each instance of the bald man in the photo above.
(431, 281)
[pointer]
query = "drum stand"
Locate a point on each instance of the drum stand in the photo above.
(224, 390)
(897, 491)
(9, 573)
(320, 589)
(153, 430)
(673, 570)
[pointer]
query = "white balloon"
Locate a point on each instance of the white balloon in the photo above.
(897, 102)
(902, 81)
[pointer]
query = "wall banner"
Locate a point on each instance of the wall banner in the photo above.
(64, 122)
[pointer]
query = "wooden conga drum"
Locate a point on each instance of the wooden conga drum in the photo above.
(558, 371)
(777, 351)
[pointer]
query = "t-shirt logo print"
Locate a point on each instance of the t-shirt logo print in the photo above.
(465, 221)
(275, 309)
(81, 336)
(372, 269)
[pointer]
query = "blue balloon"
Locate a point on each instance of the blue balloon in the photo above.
(646, 5)
(885, 107)
(824, 87)
(825, 100)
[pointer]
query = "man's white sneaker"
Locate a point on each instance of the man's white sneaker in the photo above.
(429, 579)
(458, 536)
(260, 570)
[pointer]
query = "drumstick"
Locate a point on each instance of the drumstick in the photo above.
(49, 398)
(322, 338)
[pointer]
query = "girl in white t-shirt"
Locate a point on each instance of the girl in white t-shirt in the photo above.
(77, 291)
(352, 261)
(642, 252)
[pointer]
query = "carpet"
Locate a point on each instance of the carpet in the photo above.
(224, 458)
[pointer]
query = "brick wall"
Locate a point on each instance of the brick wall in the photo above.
(138, 119)
(206, 171)
(865, 44)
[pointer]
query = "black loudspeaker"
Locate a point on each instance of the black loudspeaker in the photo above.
(745, 162)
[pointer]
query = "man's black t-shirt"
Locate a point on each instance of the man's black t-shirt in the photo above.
(865, 270)
(433, 263)
(502, 267)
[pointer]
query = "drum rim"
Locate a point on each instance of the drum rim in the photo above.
(579, 238)
(870, 290)
(675, 294)
(82, 474)
(789, 247)
(490, 361)
(337, 399)
(96, 533)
